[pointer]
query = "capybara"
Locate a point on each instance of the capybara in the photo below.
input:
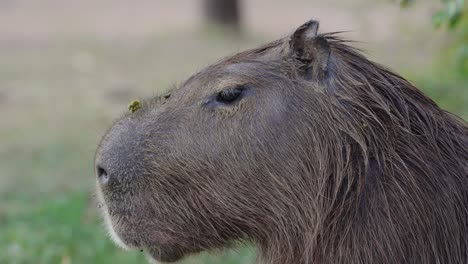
(301, 147)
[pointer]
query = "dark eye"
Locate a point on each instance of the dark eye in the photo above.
(230, 95)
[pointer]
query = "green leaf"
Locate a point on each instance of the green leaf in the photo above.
(453, 21)
(439, 18)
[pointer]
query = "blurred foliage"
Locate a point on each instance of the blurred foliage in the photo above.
(454, 14)
(450, 14)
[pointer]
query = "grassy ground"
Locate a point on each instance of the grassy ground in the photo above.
(57, 97)
(63, 228)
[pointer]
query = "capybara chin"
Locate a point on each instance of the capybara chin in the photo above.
(301, 147)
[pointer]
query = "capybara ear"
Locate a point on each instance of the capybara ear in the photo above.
(310, 48)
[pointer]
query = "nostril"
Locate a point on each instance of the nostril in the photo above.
(102, 175)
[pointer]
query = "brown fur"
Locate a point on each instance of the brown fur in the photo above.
(326, 158)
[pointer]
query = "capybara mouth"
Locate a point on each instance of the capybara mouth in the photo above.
(114, 225)
(121, 239)
(131, 239)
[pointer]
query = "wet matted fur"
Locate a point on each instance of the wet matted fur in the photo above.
(302, 147)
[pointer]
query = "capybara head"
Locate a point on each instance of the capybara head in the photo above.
(302, 147)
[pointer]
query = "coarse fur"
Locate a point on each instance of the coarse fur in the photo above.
(324, 157)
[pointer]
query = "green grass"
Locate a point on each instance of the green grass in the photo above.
(61, 229)
(66, 229)
(57, 99)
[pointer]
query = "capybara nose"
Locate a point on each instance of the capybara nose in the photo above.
(102, 175)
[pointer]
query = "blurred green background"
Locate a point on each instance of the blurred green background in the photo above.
(68, 68)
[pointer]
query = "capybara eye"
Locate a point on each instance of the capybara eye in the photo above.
(230, 95)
